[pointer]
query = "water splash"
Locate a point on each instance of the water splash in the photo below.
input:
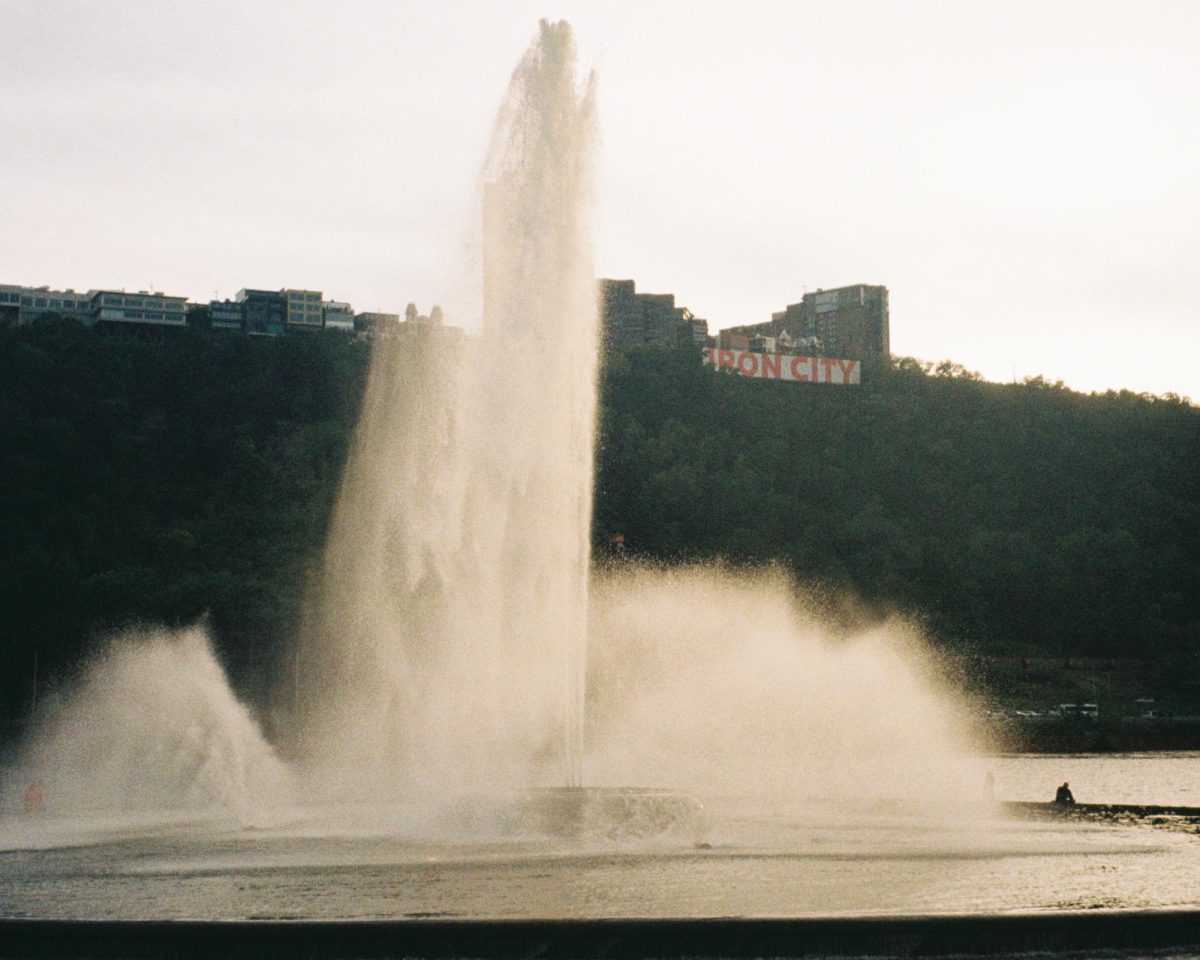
(151, 724)
(445, 650)
(725, 683)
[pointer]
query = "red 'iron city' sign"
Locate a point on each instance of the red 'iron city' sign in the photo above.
(781, 366)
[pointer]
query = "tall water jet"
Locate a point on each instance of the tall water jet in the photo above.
(541, 327)
(444, 650)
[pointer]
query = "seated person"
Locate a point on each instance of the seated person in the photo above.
(1063, 796)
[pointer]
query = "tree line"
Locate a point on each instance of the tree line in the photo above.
(165, 480)
(1017, 518)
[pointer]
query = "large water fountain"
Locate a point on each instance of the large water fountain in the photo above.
(460, 656)
(458, 630)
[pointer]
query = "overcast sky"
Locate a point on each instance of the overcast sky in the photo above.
(1021, 176)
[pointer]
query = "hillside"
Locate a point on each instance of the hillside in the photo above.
(1023, 517)
(162, 481)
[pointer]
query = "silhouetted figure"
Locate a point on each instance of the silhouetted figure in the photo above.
(1063, 796)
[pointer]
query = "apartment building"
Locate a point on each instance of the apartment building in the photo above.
(304, 309)
(629, 318)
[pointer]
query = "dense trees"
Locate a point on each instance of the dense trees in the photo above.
(163, 480)
(1011, 517)
(159, 481)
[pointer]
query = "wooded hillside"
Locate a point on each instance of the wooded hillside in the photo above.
(160, 481)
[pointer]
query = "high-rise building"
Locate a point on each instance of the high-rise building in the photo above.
(629, 318)
(849, 322)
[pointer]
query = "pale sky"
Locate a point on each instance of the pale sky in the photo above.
(1022, 176)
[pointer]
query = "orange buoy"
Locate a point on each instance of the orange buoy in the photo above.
(35, 797)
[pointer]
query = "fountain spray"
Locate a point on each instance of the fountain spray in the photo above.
(446, 647)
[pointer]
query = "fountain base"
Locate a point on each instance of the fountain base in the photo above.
(613, 813)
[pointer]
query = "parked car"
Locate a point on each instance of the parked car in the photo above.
(1089, 710)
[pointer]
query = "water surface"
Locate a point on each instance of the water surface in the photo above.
(766, 858)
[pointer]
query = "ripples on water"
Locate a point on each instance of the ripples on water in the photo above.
(810, 859)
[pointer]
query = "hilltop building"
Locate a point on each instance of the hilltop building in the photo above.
(849, 322)
(338, 316)
(30, 303)
(264, 312)
(116, 308)
(304, 310)
(270, 313)
(276, 312)
(227, 314)
(731, 338)
(107, 308)
(376, 323)
(629, 318)
(414, 324)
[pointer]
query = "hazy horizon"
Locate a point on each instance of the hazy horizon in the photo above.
(1019, 177)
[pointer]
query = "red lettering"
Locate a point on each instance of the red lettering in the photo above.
(847, 367)
(771, 366)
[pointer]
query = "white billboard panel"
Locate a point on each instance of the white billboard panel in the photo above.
(782, 366)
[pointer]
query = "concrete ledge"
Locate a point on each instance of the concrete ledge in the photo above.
(1136, 809)
(674, 938)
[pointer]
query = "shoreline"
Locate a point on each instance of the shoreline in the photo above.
(1178, 819)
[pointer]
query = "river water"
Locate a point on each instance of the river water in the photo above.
(763, 859)
(1164, 779)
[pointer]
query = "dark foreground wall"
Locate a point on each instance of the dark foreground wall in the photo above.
(876, 936)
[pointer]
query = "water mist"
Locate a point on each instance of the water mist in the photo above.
(726, 683)
(151, 724)
(445, 651)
